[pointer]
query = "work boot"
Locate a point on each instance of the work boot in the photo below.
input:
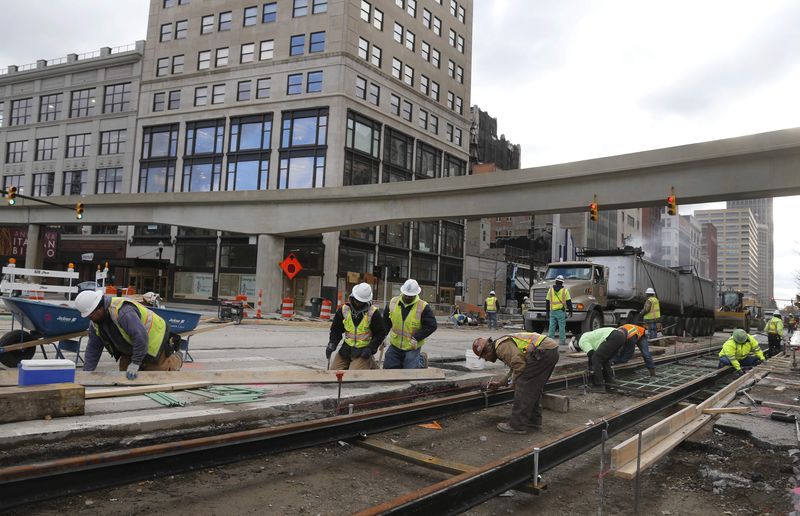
(424, 359)
(508, 429)
(653, 372)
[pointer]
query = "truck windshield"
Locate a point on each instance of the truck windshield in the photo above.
(572, 272)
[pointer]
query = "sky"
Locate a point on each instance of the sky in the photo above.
(566, 79)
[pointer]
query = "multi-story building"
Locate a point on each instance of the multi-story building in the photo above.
(708, 251)
(487, 147)
(681, 236)
(737, 248)
(651, 234)
(762, 211)
(629, 223)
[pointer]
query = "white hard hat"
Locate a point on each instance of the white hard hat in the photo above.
(362, 292)
(491, 292)
(410, 288)
(559, 278)
(525, 298)
(649, 291)
(87, 301)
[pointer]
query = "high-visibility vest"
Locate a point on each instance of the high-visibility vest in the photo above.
(361, 335)
(558, 299)
(525, 342)
(491, 304)
(403, 330)
(775, 325)
(655, 309)
(736, 352)
(154, 325)
(632, 330)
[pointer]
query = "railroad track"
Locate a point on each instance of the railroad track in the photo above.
(62, 477)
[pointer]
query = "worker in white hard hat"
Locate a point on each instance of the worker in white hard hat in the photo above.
(137, 338)
(409, 321)
(361, 325)
(491, 305)
(651, 313)
(556, 303)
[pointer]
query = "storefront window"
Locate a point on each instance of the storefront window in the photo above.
(424, 269)
(396, 235)
(196, 285)
(427, 236)
(232, 285)
(201, 256)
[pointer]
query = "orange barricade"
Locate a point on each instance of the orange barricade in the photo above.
(260, 296)
(243, 299)
(287, 307)
(325, 310)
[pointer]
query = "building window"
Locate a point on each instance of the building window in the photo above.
(451, 100)
(377, 19)
(267, 49)
(174, 99)
(74, 182)
(181, 28)
(374, 94)
(434, 124)
(248, 153)
(201, 96)
(408, 75)
(435, 91)
(294, 84)
(363, 48)
(250, 16)
(454, 167)
(396, 235)
(78, 145)
(363, 135)
(425, 51)
(297, 44)
(177, 64)
(162, 66)
(423, 119)
(250, 134)
(45, 148)
(453, 6)
(410, 40)
(302, 171)
(159, 101)
(394, 104)
(460, 74)
(460, 44)
(461, 13)
(264, 88)
(207, 24)
(426, 18)
(225, 21)
(270, 13)
(243, 91)
(366, 8)
(247, 53)
(117, 98)
(397, 68)
(160, 142)
(398, 149)
(424, 84)
(248, 174)
(82, 103)
(166, 32)
(398, 33)
(205, 137)
(429, 161)
(222, 57)
(449, 132)
(320, 6)
(218, 94)
(377, 56)
(157, 177)
(204, 60)
(202, 175)
(361, 88)
(16, 151)
(49, 108)
(300, 8)
(304, 129)
(316, 42)
(43, 184)
(459, 105)
(426, 237)
(452, 240)
(437, 26)
(436, 57)
(109, 180)
(303, 140)
(457, 137)
(451, 40)
(113, 142)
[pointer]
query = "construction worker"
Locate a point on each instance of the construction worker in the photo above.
(138, 338)
(361, 324)
(491, 305)
(556, 301)
(740, 350)
(591, 340)
(608, 349)
(774, 331)
(409, 321)
(636, 338)
(791, 323)
(651, 313)
(531, 358)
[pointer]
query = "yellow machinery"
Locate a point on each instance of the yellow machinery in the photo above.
(736, 311)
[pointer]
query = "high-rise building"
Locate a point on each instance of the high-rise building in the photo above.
(762, 211)
(681, 235)
(737, 248)
(708, 251)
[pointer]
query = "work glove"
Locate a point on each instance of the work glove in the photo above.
(738, 373)
(132, 372)
(330, 349)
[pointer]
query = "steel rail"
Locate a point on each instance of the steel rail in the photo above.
(61, 477)
(458, 494)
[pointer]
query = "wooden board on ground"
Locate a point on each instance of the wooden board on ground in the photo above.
(727, 410)
(131, 391)
(41, 401)
(233, 377)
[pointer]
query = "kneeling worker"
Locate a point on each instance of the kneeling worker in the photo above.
(740, 350)
(531, 358)
(136, 337)
(409, 321)
(361, 324)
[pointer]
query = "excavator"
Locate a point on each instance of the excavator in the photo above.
(737, 311)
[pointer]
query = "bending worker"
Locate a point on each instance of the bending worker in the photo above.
(362, 326)
(741, 350)
(491, 305)
(409, 321)
(774, 331)
(137, 338)
(531, 358)
(591, 340)
(651, 313)
(556, 300)
(636, 338)
(609, 348)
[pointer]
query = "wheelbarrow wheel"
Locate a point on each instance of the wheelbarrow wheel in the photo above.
(13, 358)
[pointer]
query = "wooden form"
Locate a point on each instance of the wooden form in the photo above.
(234, 377)
(727, 410)
(131, 391)
(41, 401)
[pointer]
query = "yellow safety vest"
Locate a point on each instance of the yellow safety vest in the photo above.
(774, 326)
(403, 330)
(361, 335)
(655, 309)
(491, 304)
(525, 342)
(154, 325)
(735, 351)
(558, 299)
(632, 330)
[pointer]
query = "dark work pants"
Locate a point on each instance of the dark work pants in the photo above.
(774, 344)
(528, 388)
(601, 369)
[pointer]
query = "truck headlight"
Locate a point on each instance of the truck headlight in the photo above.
(579, 306)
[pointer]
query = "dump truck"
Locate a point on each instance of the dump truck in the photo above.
(608, 289)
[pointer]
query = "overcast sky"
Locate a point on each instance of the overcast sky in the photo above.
(566, 79)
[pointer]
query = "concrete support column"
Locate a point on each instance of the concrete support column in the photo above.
(331, 267)
(34, 258)
(268, 275)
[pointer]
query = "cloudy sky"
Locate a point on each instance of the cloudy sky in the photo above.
(566, 79)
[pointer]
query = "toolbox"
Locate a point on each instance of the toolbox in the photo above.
(38, 372)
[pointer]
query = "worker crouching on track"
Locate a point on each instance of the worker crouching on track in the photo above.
(531, 358)
(741, 350)
(591, 340)
(138, 338)
(610, 348)
(636, 338)
(362, 326)
(409, 321)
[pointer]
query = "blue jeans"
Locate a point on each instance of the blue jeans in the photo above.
(558, 317)
(492, 319)
(398, 359)
(652, 329)
(749, 361)
(626, 352)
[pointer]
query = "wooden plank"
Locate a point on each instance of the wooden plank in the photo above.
(48, 340)
(729, 389)
(782, 406)
(41, 401)
(233, 377)
(131, 391)
(727, 410)
(556, 403)
(626, 451)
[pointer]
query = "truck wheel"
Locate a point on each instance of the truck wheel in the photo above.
(592, 322)
(13, 358)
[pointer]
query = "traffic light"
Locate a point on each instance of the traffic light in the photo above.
(593, 212)
(79, 211)
(11, 195)
(672, 205)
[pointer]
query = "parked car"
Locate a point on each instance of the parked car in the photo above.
(84, 285)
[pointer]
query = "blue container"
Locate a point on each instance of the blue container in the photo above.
(179, 321)
(39, 372)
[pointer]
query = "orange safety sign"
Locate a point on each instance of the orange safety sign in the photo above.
(291, 266)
